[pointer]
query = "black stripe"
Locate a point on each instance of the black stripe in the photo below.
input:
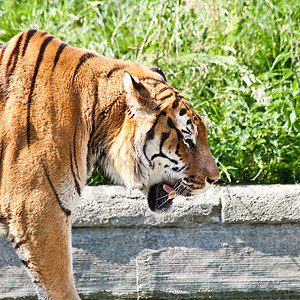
(154, 84)
(188, 180)
(95, 145)
(2, 219)
(1, 150)
(154, 79)
(90, 145)
(190, 143)
(30, 34)
(187, 131)
(12, 239)
(2, 52)
(150, 135)
(58, 53)
(25, 263)
(14, 54)
(19, 244)
(1, 158)
(93, 111)
(186, 104)
(65, 210)
(164, 156)
(158, 107)
(74, 149)
(114, 69)
(77, 186)
(82, 60)
(182, 112)
(93, 141)
(172, 125)
(44, 33)
(198, 118)
(36, 282)
(165, 97)
(175, 104)
(37, 65)
(164, 137)
(163, 89)
(176, 169)
(179, 97)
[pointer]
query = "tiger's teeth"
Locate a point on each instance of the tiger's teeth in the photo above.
(170, 191)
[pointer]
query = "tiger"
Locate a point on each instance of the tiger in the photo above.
(65, 110)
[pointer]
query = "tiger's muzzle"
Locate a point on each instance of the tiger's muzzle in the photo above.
(161, 195)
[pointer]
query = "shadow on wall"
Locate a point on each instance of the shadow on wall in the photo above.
(109, 245)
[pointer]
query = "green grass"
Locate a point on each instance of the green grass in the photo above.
(237, 62)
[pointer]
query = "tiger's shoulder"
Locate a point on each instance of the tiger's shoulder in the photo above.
(33, 48)
(32, 52)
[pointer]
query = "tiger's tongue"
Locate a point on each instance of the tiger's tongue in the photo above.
(170, 191)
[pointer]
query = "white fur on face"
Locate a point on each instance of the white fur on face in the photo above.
(163, 168)
(187, 127)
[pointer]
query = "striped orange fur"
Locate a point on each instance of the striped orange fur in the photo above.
(64, 110)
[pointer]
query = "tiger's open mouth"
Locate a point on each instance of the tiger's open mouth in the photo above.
(160, 196)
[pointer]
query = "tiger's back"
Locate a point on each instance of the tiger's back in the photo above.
(64, 110)
(43, 105)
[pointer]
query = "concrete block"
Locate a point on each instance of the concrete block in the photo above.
(273, 204)
(241, 240)
(213, 257)
(106, 206)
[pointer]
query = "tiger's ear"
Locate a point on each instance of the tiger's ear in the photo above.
(159, 72)
(138, 98)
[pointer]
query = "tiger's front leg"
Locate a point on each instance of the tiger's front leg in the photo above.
(42, 239)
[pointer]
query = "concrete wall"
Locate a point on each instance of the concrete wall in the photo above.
(226, 243)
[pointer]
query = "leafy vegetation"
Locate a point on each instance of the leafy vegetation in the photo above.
(237, 62)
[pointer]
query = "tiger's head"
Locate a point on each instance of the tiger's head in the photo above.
(162, 146)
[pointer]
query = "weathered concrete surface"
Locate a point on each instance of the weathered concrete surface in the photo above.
(274, 204)
(261, 204)
(186, 260)
(121, 247)
(178, 260)
(107, 206)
